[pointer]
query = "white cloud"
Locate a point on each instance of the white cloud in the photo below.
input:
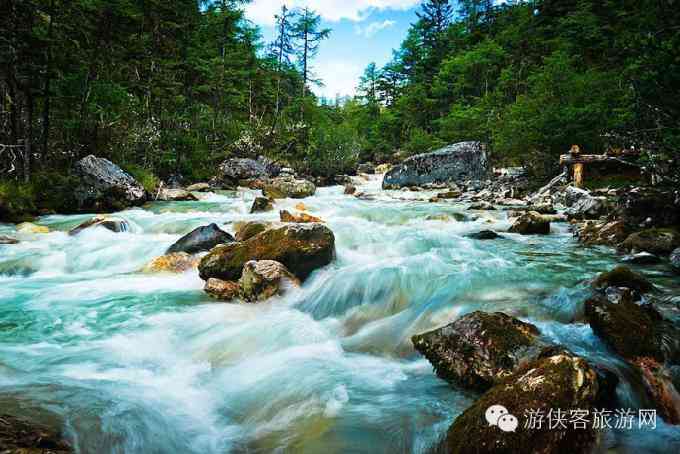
(338, 77)
(374, 27)
(262, 11)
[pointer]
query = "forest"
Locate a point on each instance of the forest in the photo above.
(171, 88)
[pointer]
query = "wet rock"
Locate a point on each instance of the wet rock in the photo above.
(302, 248)
(199, 187)
(641, 258)
(21, 436)
(658, 382)
(249, 229)
(484, 235)
(262, 279)
(449, 195)
(593, 233)
(655, 241)
(588, 207)
(105, 187)
(675, 259)
(649, 206)
(175, 195)
(457, 162)
(530, 223)
(366, 167)
(479, 349)
(573, 194)
(281, 188)
(622, 276)
(29, 227)
(116, 225)
(201, 239)
(177, 262)
(8, 240)
(482, 206)
(287, 216)
(261, 204)
(222, 290)
(350, 189)
(383, 168)
(560, 381)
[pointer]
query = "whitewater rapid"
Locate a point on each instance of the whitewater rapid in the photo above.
(139, 363)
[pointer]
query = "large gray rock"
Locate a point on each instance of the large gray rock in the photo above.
(281, 188)
(201, 239)
(233, 170)
(105, 187)
(588, 207)
(454, 163)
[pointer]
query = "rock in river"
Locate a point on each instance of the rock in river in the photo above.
(675, 259)
(175, 195)
(21, 436)
(246, 230)
(105, 187)
(530, 223)
(281, 188)
(622, 276)
(302, 248)
(287, 216)
(201, 239)
(479, 349)
(262, 279)
(234, 170)
(655, 241)
(484, 235)
(116, 225)
(177, 262)
(222, 290)
(8, 240)
(261, 204)
(454, 163)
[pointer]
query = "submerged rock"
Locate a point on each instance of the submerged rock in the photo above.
(175, 195)
(105, 187)
(302, 248)
(350, 189)
(8, 240)
(641, 258)
(281, 188)
(262, 279)
(21, 436)
(261, 204)
(479, 349)
(484, 235)
(201, 239)
(222, 290)
(655, 241)
(176, 262)
(454, 163)
(287, 216)
(530, 223)
(560, 381)
(116, 225)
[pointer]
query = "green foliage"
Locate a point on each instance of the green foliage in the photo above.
(334, 150)
(146, 177)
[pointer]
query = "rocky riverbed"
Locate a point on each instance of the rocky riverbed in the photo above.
(137, 334)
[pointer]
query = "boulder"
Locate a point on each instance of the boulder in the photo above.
(281, 188)
(287, 216)
(530, 223)
(573, 194)
(383, 168)
(350, 189)
(222, 290)
(479, 349)
(660, 241)
(262, 279)
(235, 170)
(675, 259)
(649, 206)
(8, 240)
(175, 195)
(177, 262)
(623, 277)
(366, 167)
(116, 225)
(302, 248)
(482, 206)
(560, 381)
(449, 195)
(105, 187)
(201, 239)
(454, 163)
(30, 228)
(484, 235)
(657, 380)
(641, 258)
(588, 207)
(592, 233)
(246, 230)
(21, 436)
(199, 187)
(261, 204)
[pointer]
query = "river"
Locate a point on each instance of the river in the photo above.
(139, 363)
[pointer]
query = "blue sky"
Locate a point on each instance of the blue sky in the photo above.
(363, 31)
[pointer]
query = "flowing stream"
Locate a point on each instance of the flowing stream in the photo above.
(139, 363)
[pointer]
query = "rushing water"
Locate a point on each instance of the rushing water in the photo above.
(140, 363)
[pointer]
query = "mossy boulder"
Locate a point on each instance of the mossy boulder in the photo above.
(261, 204)
(302, 218)
(247, 230)
(177, 262)
(287, 187)
(201, 239)
(531, 223)
(655, 241)
(556, 381)
(263, 279)
(222, 290)
(479, 349)
(22, 436)
(622, 276)
(302, 248)
(116, 225)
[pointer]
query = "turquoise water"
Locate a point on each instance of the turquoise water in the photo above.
(138, 363)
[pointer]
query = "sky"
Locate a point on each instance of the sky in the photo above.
(364, 31)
